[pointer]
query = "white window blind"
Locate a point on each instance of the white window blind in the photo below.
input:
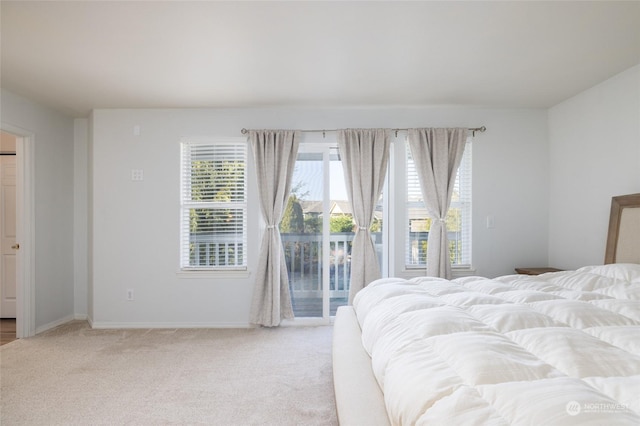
(213, 225)
(458, 219)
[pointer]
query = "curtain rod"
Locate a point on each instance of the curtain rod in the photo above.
(473, 130)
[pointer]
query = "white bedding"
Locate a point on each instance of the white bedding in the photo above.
(553, 349)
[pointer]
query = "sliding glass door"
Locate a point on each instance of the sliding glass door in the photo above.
(317, 232)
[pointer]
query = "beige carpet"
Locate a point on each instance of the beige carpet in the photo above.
(73, 375)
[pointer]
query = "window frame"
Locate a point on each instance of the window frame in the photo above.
(186, 204)
(464, 178)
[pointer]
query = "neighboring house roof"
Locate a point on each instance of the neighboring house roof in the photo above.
(338, 207)
(310, 206)
(315, 207)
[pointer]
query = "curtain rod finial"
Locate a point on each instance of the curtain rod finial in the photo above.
(244, 131)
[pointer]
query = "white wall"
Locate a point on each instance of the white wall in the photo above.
(595, 154)
(134, 225)
(510, 183)
(545, 176)
(80, 215)
(53, 193)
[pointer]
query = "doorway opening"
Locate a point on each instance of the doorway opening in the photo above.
(8, 245)
(17, 231)
(317, 231)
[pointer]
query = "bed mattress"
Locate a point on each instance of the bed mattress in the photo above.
(554, 349)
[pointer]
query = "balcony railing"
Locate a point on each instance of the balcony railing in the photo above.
(303, 257)
(215, 250)
(417, 248)
(303, 253)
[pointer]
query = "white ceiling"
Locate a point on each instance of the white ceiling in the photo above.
(75, 56)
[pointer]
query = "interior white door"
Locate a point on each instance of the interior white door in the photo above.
(8, 247)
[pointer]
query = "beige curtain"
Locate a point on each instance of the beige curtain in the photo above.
(364, 154)
(437, 154)
(274, 153)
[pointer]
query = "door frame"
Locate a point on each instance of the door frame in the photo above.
(25, 230)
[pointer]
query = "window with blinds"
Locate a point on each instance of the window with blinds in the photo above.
(458, 219)
(213, 225)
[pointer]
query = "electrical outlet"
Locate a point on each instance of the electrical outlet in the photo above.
(129, 294)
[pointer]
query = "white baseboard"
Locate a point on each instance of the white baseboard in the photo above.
(109, 325)
(306, 322)
(298, 322)
(55, 323)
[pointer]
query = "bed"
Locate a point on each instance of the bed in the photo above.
(561, 348)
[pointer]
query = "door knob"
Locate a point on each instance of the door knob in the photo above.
(16, 246)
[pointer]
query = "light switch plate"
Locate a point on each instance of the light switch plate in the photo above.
(491, 222)
(137, 174)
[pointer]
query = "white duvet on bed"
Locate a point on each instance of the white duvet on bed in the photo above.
(553, 349)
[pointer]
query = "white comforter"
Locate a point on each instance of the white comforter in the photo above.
(554, 349)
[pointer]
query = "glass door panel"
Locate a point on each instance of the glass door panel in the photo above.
(341, 228)
(317, 230)
(301, 229)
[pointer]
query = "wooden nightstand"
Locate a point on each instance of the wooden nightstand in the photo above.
(536, 271)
